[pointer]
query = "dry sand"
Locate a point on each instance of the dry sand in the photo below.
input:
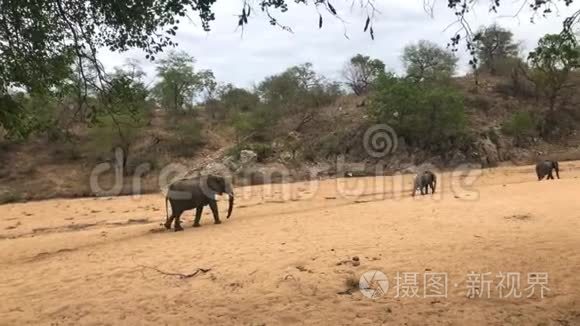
(286, 255)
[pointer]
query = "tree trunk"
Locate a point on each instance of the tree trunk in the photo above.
(175, 97)
(476, 79)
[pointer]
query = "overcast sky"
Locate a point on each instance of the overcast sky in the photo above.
(264, 50)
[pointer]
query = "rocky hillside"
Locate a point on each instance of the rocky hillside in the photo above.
(330, 143)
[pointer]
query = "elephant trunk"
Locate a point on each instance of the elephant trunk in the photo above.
(230, 191)
(231, 205)
(434, 182)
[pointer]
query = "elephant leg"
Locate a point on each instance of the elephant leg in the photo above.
(198, 211)
(550, 176)
(174, 215)
(542, 176)
(168, 222)
(214, 210)
(177, 227)
(422, 191)
(432, 187)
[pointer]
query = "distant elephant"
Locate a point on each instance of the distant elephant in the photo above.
(196, 192)
(425, 180)
(545, 167)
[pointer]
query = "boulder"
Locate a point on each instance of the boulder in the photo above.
(217, 169)
(285, 156)
(231, 163)
(248, 157)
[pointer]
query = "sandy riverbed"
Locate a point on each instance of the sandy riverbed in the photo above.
(286, 255)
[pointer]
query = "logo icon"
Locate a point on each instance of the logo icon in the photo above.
(380, 140)
(373, 284)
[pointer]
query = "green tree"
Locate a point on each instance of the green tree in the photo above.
(495, 48)
(431, 118)
(208, 84)
(179, 83)
(257, 124)
(552, 61)
(361, 72)
(23, 114)
(124, 113)
(41, 39)
(295, 96)
(238, 99)
(297, 92)
(229, 100)
(426, 61)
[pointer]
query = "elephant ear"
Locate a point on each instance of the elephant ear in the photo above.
(206, 187)
(213, 186)
(213, 195)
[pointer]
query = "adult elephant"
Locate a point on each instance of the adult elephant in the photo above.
(546, 167)
(423, 181)
(196, 192)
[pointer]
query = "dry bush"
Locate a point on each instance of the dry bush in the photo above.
(479, 102)
(186, 136)
(9, 197)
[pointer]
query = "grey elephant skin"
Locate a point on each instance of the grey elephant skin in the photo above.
(424, 181)
(196, 192)
(546, 167)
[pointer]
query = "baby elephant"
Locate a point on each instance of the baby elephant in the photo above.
(425, 180)
(196, 192)
(545, 167)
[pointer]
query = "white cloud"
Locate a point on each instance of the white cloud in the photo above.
(263, 49)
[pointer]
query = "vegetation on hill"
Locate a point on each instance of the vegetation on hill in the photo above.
(45, 43)
(75, 115)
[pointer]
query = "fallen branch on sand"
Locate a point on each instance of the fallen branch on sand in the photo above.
(179, 275)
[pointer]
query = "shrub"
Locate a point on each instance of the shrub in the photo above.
(330, 145)
(66, 151)
(504, 88)
(110, 132)
(264, 151)
(257, 124)
(429, 118)
(234, 151)
(480, 102)
(11, 197)
(521, 126)
(186, 136)
(140, 159)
